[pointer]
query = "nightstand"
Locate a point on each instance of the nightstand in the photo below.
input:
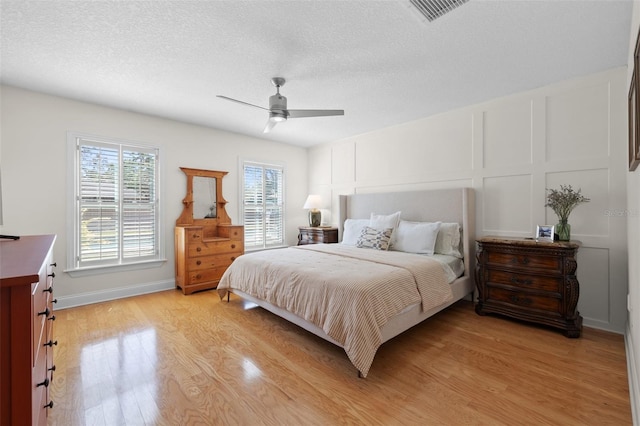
(319, 235)
(529, 280)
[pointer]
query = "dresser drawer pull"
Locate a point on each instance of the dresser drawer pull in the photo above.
(233, 246)
(198, 263)
(199, 249)
(54, 301)
(49, 405)
(233, 258)
(46, 312)
(521, 281)
(50, 343)
(520, 300)
(524, 260)
(52, 318)
(52, 368)
(45, 383)
(52, 275)
(48, 290)
(54, 264)
(195, 235)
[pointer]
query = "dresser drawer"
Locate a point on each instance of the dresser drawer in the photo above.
(523, 299)
(520, 261)
(525, 281)
(233, 232)
(40, 312)
(215, 247)
(213, 261)
(206, 275)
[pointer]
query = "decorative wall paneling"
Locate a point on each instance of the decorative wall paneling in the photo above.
(511, 150)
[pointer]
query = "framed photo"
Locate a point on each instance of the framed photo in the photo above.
(545, 233)
(634, 110)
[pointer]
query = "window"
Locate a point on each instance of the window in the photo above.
(263, 205)
(115, 203)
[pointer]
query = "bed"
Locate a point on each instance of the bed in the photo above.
(358, 297)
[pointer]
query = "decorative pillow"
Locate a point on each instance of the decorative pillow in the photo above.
(352, 230)
(382, 222)
(416, 237)
(374, 239)
(448, 241)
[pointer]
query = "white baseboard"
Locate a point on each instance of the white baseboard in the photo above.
(632, 372)
(65, 302)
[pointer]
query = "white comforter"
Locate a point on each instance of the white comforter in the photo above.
(349, 292)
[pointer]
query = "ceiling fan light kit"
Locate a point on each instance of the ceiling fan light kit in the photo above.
(278, 107)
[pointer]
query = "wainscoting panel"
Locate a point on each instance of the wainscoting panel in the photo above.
(587, 219)
(507, 134)
(593, 275)
(578, 122)
(506, 204)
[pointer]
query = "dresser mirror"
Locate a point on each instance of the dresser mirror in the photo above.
(204, 197)
(203, 203)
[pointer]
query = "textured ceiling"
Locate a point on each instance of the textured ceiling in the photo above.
(377, 60)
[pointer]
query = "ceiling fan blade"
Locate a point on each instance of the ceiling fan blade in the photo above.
(241, 102)
(299, 113)
(269, 126)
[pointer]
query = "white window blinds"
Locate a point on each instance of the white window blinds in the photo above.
(116, 208)
(263, 205)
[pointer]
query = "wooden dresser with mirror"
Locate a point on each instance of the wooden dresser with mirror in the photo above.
(205, 240)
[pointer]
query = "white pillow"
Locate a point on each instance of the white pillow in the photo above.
(381, 222)
(416, 237)
(448, 241)
(352, 230)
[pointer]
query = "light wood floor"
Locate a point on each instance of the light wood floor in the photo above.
(169, 359)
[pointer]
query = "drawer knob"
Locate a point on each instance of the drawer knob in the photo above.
(50, 290)
(520, 300)
(52, 318)
(198, 276)
(233, 246)
(199, 249)
(52, 368)
(198, 262)
(521, 281)
(54, 301)
(54, 264)
(51, 343)
(49, 405)
(45, 383)
(52, 275)
(46, 312)
(195, 235)
(233, 258)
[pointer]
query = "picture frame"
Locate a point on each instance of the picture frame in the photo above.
(545, 233)
(634, 110)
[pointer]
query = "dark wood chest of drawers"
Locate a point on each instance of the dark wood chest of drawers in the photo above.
(317, 235)
(529, 280)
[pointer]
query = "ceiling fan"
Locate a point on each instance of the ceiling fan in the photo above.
(278, 107)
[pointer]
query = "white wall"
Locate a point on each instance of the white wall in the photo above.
(510, 150)
(33, 156)
(632, 213)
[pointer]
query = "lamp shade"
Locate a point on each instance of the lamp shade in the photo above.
(313, 202)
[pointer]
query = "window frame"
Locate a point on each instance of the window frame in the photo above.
(74, 267)
(263, 165)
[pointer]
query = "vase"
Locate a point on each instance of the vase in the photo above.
(563, 229)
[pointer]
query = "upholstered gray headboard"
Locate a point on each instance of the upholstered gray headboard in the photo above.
(444, 205)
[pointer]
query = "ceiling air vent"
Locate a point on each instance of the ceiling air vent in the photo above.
(433, 9)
